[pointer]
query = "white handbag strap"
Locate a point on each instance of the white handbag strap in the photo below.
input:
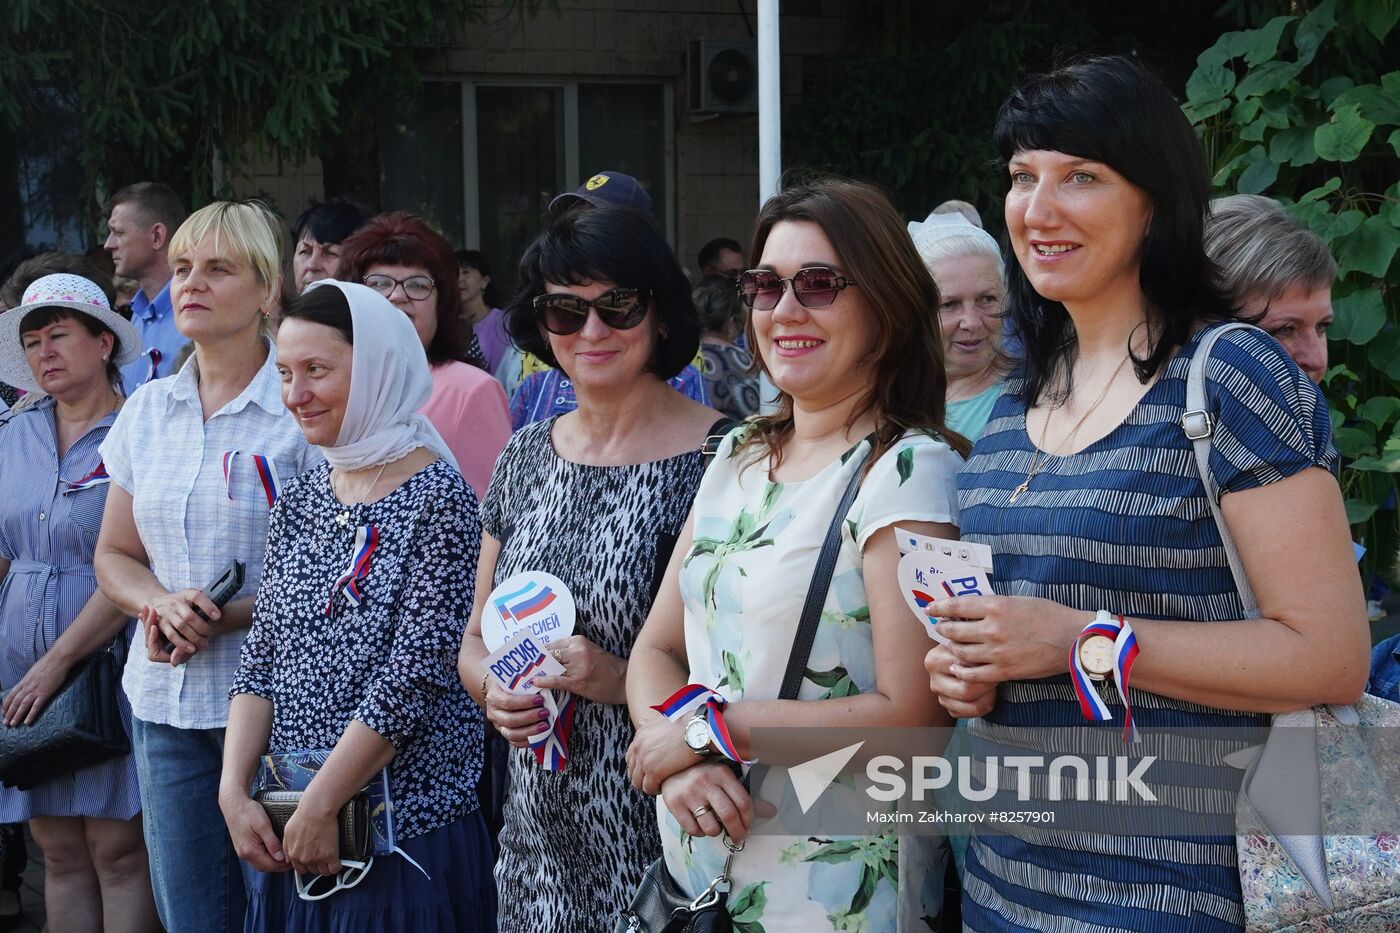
(1199, 423)
(1282, 776)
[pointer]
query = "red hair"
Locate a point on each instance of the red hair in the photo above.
(403, 239)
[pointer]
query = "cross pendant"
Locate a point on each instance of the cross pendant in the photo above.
(1020, 489)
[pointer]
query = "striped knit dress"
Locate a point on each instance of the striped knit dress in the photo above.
(1124, 526)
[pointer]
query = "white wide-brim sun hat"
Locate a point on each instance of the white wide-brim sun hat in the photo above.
(60, 290)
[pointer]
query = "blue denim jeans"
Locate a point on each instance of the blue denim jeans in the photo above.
(197, 878)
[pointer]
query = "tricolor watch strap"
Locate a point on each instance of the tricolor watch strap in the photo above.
(1124, 654)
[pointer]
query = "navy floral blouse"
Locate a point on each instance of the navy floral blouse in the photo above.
(391, 661)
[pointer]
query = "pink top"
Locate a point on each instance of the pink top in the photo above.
(468, 407)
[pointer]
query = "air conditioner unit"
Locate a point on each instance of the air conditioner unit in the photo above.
(722, 76)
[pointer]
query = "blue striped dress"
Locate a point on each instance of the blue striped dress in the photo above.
(48, 531)
(1124, 526)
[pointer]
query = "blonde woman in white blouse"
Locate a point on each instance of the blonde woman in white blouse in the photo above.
(196, 461)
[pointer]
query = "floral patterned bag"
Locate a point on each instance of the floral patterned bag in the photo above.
(1328, 881)
(1315, 768)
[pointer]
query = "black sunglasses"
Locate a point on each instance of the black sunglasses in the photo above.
(813, 287)
(618, 308)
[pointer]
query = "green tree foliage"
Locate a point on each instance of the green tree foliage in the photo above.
(912, 101)
(183, 91)
(1306, 108)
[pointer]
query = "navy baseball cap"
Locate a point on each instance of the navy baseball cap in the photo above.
(606, 189)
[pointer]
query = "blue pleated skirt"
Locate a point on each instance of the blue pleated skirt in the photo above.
(458, 897)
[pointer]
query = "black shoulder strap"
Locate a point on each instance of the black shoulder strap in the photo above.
(717, 433)
(812, 606)
(816, 592)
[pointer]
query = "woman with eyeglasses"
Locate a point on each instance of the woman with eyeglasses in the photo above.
(406, 261)
(596, 497)
(841, 324)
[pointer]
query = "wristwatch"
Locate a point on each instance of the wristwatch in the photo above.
(1096, 652)
(698, 735)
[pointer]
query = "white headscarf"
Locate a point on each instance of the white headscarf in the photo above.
(389, 381)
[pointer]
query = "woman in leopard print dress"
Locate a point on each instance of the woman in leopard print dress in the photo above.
(596, 497)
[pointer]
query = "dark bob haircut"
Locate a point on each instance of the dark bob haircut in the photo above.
(607, 244)
(1110, 109)
(330, 222)
(325, 305)
(473, 259)
(402, 239)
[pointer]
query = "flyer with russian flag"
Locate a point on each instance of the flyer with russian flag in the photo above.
(523, 615)
(938, 568)
(532, 601)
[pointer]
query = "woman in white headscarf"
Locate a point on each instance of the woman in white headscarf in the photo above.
(352, 653)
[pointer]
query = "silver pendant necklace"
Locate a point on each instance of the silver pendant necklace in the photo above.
(343, 519)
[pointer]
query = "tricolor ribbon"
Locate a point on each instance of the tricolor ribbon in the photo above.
(684, 701)
(229, 456)
(97, 477)
(1125, 652)
(551, 748)
(156, 357)
(267, 475)
(690, 697)
(366, 540)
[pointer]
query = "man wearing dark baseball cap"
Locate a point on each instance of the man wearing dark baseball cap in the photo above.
(605, 189)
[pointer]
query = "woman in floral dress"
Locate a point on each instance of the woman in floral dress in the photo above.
(842, 326)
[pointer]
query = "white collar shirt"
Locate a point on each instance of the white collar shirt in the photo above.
(193, 521)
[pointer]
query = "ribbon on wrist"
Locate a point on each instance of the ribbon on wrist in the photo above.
(1125, 652)
(684, 702)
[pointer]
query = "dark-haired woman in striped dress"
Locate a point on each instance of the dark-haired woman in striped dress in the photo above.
(1085, 487)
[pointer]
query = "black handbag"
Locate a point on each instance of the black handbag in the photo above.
(660, 906)
(80, 727)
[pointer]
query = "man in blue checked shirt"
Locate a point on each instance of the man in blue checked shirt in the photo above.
(141, 219)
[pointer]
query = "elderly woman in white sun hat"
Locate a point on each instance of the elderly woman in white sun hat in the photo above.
(66, 345)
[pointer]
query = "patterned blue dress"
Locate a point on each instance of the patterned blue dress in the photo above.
(389, 663)
(48, 530)
(1124, 526)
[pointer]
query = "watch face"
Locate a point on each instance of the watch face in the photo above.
(1096, 654)
(697, 735)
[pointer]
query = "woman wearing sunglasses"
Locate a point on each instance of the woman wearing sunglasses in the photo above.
(1085, 487)
(406, 261)
(841, 324)
(596, 497)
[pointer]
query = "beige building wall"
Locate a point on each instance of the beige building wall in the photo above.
(716, 156)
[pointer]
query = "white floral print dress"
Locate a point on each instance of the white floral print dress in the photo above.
(743, 583)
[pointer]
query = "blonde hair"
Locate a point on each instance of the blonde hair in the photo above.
(252, 231)
(1261, 250)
